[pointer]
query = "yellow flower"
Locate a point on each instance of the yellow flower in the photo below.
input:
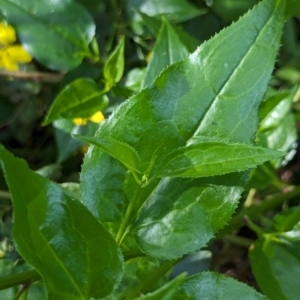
(95, 118)
(11, 54)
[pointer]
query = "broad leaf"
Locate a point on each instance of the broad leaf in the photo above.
(80, 99)
(56, 33)
(210, 285)
(167, 292)
(168, 50)
(75, 255)
(121, 151)
(114, 65)
(213, 94)
(214, 158)
(275, 262)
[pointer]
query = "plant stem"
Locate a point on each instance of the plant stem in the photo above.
(238, 240)
(128, 216)
(252, 211)
(36, 76)
(152, 279)
(134, 253)
(4, 194)
(24, 278)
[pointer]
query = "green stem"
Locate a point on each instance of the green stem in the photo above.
(151, 280)
(254, 210)
(4, 194)
(24, 278)
(22, 292)
(134, 253)
(238, 240)
(128, 216)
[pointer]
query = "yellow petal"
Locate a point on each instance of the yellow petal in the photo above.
(79, 121)
(97, 117)
(19, 54)
(8, 63)
(7, 34)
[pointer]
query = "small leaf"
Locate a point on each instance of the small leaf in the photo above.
(210, 285)
(176, 10)
(121, 151)
(287, 219)
(214, 158)
(168, 50)
(166, 292)
(73, 252)
(114, 66)
(56, 33)
(275, 262)
(80, 99)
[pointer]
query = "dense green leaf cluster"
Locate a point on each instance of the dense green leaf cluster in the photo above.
(165, 172)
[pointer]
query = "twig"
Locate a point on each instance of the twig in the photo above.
(35, 76)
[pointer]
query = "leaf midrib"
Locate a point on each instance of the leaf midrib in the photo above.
(72, 280)
(213, 100)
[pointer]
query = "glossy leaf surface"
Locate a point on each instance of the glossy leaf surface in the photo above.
(114, 65)
(275, 262)
(176, 10)
(210, 285)
(168, 50)
(210, 159)
(75, 255)
(80, 99)
(121, 151)
(191, 98)
(56, 33)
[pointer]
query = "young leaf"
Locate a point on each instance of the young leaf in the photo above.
(215, 93)
(210, 285)
(287, 219)
(114, 66)
(121, 151)
(275, 262)
(73, 252)
(56, 33)
(80, 99)
(168, 50)
(214, 158)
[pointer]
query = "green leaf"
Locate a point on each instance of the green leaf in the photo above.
(275, 262)
(286, 219)
(230, 10)
(167, 292)
(121, 151)
(59, 236)
(114, 65)
(210, 285)
(80, 99)
(56, 33)
(275, 109)
(168, 50)
(176, 10)
(214, 158)
(155, 25)
(213, 94)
